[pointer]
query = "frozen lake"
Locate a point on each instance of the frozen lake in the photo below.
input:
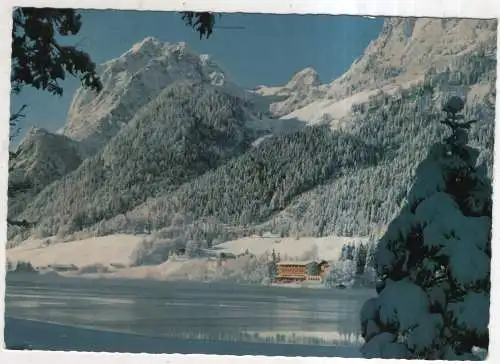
(253, 315)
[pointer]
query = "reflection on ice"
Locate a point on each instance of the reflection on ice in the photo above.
(253, 314)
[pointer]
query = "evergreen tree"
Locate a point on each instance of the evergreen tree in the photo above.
(350, 251)
(370, 253)
(9, 266)
(273, 266)
(24, 267)
(193, 248)
(39, 60)
(343, 253)
(434, 259)
(361, 254)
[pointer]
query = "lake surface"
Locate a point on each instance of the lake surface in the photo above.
(178, 310)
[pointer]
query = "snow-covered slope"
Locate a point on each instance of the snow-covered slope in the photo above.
(131, 81)
(405, 50)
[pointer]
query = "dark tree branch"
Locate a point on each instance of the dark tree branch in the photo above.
(37, 58)
(14, 118)
(17, 115)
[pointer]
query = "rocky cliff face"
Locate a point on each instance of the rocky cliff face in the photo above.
(408, 47)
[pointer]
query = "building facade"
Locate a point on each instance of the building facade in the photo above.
(293, 271)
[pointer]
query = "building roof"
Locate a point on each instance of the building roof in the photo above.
(301, 262)
(296, 262)
(63, 266)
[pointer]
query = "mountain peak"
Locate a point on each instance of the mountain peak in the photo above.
(133, 79)
(34, 131)
(148, 41)
(150, 46)
(304, 78)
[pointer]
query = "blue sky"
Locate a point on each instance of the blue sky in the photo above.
(268, 51)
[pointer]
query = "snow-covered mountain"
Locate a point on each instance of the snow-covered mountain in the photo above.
(131, 81)
(400, 56)
(150, 135)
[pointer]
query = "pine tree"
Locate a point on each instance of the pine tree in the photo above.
(343, 253)
(434, 259)
(370, 254)
(8, 266)
(350, 251)
(361, 254)
(273, 266)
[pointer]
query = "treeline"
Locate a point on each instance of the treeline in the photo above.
(355, 266)
(362, 255)
(19, 267)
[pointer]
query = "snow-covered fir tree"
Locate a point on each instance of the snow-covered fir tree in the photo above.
(360, 256)
(273, 266)
(434, 259)
(370, 253)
